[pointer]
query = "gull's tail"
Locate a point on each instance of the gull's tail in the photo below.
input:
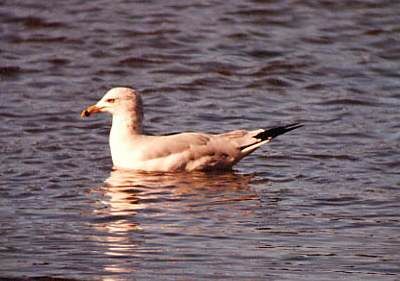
(266, 136)
(276, 131)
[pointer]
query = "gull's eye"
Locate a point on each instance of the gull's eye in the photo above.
(110, 100)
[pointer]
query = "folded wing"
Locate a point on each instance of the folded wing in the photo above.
(200, 151)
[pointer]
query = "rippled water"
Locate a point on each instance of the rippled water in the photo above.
(320, 203)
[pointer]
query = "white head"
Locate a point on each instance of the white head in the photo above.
(122, 103)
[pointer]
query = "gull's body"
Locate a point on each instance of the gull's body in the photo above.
(131, 149)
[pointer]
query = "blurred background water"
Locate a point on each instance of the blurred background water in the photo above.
(320, 203)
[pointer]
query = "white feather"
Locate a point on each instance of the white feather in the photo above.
(131, 149)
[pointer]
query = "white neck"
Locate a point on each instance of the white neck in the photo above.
(125, 124)
(124, 129)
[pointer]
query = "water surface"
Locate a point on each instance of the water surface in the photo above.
(320, 203)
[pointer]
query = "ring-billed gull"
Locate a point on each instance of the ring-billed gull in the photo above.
(131, 149)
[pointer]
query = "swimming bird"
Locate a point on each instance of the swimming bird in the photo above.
(189, 151)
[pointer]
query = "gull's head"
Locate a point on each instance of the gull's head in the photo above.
(116, 101)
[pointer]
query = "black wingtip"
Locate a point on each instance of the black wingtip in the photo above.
(276, 131)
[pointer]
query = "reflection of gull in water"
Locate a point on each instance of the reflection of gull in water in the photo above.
(126, 193)
(126, 188)
(131, 149)
(139, 205)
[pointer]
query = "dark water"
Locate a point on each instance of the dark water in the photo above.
(321, 203)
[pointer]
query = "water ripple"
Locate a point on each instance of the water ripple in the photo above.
(318, 204)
